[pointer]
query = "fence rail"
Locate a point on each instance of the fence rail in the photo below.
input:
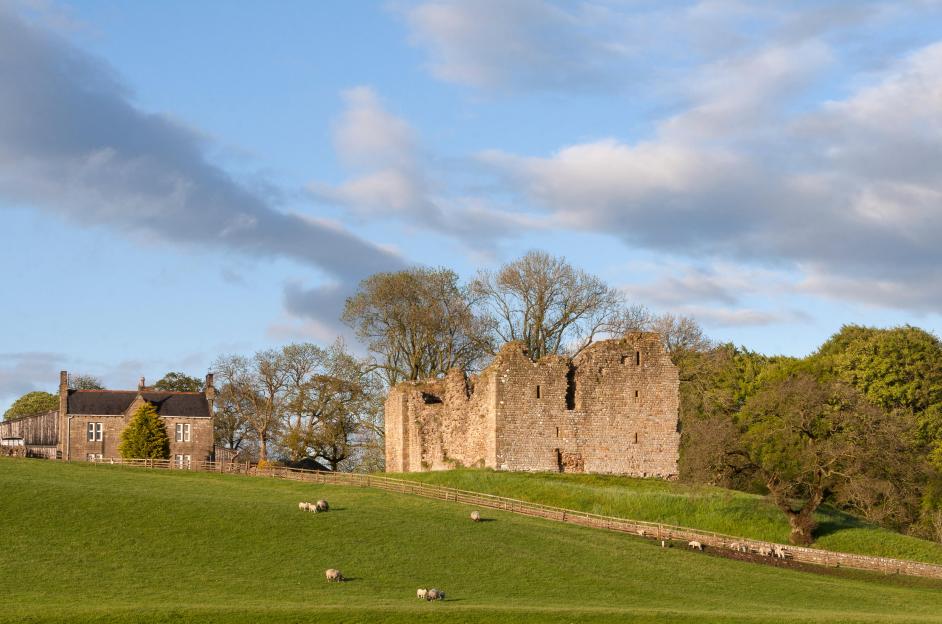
(654, 530)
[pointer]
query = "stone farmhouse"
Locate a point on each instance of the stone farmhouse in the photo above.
(88, 423)
(611, 409)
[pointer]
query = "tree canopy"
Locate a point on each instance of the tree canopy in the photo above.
(179, 382)
(32, 403)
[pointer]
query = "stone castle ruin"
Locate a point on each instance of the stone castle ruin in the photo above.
(611, 409)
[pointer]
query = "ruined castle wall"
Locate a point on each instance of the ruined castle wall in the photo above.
(397, 452)
(440, 424)
(628, 389)
(532, 423)
(611, 410)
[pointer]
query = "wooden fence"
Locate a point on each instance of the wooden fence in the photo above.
(652, 530)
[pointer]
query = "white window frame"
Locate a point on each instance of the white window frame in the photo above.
(182, 461)
(93, 456)
(182, 432)
(94, 432)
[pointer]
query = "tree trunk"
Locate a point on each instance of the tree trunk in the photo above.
(263, 447)
(801, 521)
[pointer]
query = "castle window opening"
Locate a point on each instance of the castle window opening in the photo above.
(624, 359)
(637, 358)
(636, 394)
(557, 432)
(571, 388)
(636, 437)
(538, 392)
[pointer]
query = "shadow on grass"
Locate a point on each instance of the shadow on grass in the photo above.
(834, 521)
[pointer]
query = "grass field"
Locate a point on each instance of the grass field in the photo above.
(84, 543)
(702, 507)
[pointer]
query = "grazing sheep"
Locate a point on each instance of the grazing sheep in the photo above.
(779, 551)
(764, 551)
(476, 516)
(321, 505)
(434, 594)
(641, 532)
(421, 594)
(735, 546)
(302, 506)
(695, 545)
(333, 575)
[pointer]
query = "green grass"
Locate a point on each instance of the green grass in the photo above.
(83, 543)
(695, 506)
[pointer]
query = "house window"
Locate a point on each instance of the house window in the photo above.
(183, 432)
(95, 432)
(93, 457)
(182, 461)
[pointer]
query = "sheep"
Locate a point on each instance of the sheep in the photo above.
(321, 505)
(475, 516)
(735, 546)
(764, 551)
(421, 593)
(333, 575)
(695, 545)
(779, 551)
(434, 594)
(302, 506)
(641, 532)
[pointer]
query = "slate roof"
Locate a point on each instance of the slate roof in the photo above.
(116, 402)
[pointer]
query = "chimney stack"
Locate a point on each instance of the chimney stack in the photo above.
(140, 384)
(209, 390)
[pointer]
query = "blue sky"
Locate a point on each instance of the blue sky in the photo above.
(180, 180)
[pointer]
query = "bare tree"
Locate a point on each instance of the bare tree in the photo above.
(230, 426)
(329, 403)
(680, 334)
(85, 382)
(548, 304)
(417, 323)
(257, 388)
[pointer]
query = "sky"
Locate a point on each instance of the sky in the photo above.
(182, 180)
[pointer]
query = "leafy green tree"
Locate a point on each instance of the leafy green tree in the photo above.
(804, 433)
(32, 403)
(900, 367)
(145, 437)
(179, 382)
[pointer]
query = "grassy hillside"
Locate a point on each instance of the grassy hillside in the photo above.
(111, 544)
(704, 507)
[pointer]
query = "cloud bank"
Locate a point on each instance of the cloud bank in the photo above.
(73, 143)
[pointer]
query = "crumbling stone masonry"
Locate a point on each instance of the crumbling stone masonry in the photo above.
(611, 409)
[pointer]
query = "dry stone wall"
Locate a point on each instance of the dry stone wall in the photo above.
(613, 409)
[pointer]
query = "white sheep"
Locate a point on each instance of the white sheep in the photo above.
(421, 593)
(333, 575)
(302, 506)
(434, 594)
(476, 516)
(695, 545)
(321, 505)
(764, 551)
(779, 551)
(735, 546)
(641, 532)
